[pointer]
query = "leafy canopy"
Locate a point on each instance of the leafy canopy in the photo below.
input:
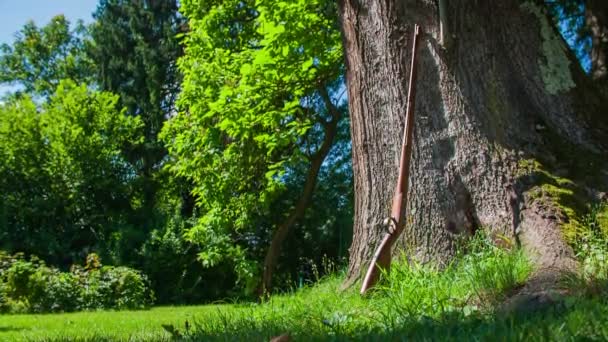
(136, 46)
(250, 112)
(64, 185)
(40, 58)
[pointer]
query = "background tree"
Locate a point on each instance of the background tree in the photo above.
(585, 24)
(40, 58)
(140, 48)
(510, 133)
(136, 46)
(64, 184)
(596, 24)
(259, 106)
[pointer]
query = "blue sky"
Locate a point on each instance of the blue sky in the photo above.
(14, 14)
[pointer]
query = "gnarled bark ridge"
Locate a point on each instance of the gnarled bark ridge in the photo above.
(502, 114)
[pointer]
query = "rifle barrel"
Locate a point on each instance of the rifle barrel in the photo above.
(382, 256)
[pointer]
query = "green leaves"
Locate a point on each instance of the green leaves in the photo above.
(246, 111)
(136, 46)
(34, 287)
(41, 57)
(64, 184)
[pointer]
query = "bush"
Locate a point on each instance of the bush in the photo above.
(18, 277)
(169, 259)
(51, 291)
(116, 288)
(5, 261)
(4, 265)
(31, 286)
(131, 288)
(4, 306)
(592, 245)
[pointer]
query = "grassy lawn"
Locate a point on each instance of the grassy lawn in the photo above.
(139, 325)
(416, 302)
(317, 314)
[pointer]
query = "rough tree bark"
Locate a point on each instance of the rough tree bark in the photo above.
(505, 121)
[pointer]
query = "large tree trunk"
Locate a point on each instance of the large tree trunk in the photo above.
(494, 108)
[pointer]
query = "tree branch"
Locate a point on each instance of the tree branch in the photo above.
(317, 159)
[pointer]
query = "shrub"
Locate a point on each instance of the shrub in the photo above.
(591, 249)
(5, 261)
(52, 291)
(131, 290)
(116, 288)
(592, 246)
(4, 306)
(18, 277)
(169, 259)
(31, 286)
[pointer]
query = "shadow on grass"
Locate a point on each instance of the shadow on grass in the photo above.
(573, 319)
(4, 328)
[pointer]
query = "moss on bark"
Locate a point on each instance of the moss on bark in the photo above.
(567, 182)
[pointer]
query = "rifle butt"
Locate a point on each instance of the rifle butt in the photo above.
(380, 262)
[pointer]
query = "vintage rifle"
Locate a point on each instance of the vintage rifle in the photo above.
(396, 222)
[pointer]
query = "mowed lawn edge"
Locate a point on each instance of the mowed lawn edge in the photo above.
(119, 325)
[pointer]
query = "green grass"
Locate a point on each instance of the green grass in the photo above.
(414, 302)
(139, 325)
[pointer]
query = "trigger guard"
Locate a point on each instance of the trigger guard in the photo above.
(386, 223)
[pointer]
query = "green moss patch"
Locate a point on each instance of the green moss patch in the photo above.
(560, 176)
(566, 198)
(559, 195)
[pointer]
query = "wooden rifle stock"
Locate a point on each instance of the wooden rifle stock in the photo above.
(396, 222)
